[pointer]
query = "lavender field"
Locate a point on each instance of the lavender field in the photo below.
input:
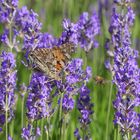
(69, 70)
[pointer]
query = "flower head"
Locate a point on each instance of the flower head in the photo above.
(8, 85)
(83, 32)
(125, 70)
(39, 99)
(27, 134)
(70, 32)
(29, 26)
(84, 106)
(74, 81)
(7, 10)
(88, 29)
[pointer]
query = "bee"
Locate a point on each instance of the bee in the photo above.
(100, 80)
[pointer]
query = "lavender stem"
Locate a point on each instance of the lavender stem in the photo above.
(6, 118)
(108, 111)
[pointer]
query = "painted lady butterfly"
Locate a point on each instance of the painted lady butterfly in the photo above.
(51, 61)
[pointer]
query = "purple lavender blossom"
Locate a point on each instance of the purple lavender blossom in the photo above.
(29, 25)
(76, 73)
(7, 85)
(27, 21)
(76, 134)
(88, 29)
(136, 131)
(70, 33)
(23, 90)
(30, 133)
(23, 24)
(83, 32)
(74, 82)
(67, 103)
(0, 129)
(7, 10)
(10, 138)
(125, 71)
(39, 99)
(4, 37)
(46, 40)
(26, 133)
(84, 106)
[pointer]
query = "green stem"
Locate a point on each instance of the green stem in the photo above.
(10, 37)
(6, 113)
(31, 130)
(129, 136)
(115, 134)
(48, 122)
(42, 125)
(12, 129)
(22, 112)
(84, 132)
(108, 111)
(6, 118)
(64, 127)
(60, 114)
(47, 133)
(118, 133)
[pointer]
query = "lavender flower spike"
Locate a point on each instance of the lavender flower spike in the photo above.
(6, 10)
(83, 32)
(125, 71)
(7, 85)
(74, 82)
(30, 133)
(88, 29)
(85, 108)
(39, 99)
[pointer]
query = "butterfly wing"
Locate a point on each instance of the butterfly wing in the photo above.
(62, 55)
(41, 60)
(51, 61)
(67, 50)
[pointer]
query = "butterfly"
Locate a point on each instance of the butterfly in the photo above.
(51, 61)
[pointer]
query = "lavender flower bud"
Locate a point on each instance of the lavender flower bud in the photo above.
(30, 133)
(10, 138)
